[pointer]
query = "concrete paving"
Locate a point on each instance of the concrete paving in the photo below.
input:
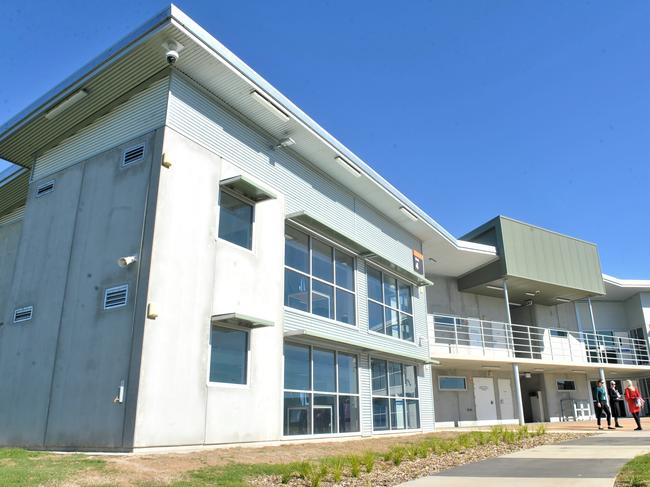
(586, 462)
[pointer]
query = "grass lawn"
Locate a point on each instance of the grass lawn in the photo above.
(21, 468)
(635, 473)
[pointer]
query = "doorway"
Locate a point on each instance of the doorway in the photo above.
(486, 408)
(505, 399)
(533, 397)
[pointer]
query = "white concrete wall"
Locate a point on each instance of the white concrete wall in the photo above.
(554, 397)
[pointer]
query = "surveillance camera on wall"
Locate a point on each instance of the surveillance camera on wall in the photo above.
(126, 261)
(172, 51)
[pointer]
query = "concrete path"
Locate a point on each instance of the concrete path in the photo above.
(587, 462)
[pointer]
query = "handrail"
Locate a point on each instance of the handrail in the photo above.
(458, 335)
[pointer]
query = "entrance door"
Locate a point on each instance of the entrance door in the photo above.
(486, 408)
(505, 399)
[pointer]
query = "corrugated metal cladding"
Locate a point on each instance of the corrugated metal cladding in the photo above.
(425, 389)
(200, 118)
(14, 193)
(541, 255)
(365, 390)
(136, 67)
(141, 114)
(13, 216)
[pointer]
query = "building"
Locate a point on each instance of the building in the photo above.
(186, 259)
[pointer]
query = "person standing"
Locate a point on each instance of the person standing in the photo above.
(602, 406)
(634, 403)
(614, 398)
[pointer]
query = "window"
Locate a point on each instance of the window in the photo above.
(452, 383)
(558, 333)
(321, 391)
(390, 305)
(228, 355)
(235, 220)
(318, 278)
(395, 402)
(566, 385)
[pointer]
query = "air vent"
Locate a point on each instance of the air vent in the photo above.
(133, 155)
(23, 314)
(44, 188)
(116, 297)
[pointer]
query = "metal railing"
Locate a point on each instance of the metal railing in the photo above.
(470, 336)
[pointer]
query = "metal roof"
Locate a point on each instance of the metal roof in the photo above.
(140, 55)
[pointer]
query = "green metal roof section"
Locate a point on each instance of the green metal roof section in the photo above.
(558, 264)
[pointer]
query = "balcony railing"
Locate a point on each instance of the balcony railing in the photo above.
(469, 336)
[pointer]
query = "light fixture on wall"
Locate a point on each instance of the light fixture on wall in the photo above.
(409, 214)
(286, 142)
(127, 261)
(531, 294)
(563, 300)
(67, 103)
(495, 288)
(270, 105)
(516, 305)
(348, 166)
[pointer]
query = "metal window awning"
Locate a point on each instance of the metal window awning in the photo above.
(249, 188)
(239, 319)
(311, 336)
(303, 218)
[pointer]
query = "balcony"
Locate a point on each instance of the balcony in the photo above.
(495, 340)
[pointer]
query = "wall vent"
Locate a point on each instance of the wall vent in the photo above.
(23, 314)
(116, 297)
(133, 155)
(44, 188)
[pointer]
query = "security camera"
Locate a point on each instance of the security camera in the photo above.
(126, 261)
(171, 56)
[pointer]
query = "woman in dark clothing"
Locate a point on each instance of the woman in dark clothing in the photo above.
(601, 405)
(614, 401)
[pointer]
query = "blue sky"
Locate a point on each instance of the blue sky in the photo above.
(535, 110)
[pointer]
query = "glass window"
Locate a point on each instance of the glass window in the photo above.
(296, 250)
(297, 413)
(379, 383)
(324, 285)
(390, 306)
(296, 367)
(228, 356)
(348, 414)
(324, 371)
(322, 261)
(410, 381)
(374, 285)
(348, 373)
(395, 379)
(296, 290)
(235, 220)
(329, 406)
(345, 312)
(322, 300)
(379, 413)
(566, 385)
(391, 410)
(448, 383)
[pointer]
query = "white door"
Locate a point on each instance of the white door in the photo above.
(505, 399)
(486, 408)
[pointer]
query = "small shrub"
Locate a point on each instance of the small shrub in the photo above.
(337, 469)
(397, 455)
(304, 469)
(522, 432)
(355, 466)
(368, 460)
(422, 450)
(541, 430)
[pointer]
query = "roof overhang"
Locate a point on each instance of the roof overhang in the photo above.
(14, 184)
(622, 289)
(141, 55)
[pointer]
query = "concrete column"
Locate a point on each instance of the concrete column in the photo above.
(518, 400)
(515, 367)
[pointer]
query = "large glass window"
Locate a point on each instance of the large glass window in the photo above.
(235, 220)
(319, 278)
(228, 356)
(321, 393)
(395, 401)
(390, 305)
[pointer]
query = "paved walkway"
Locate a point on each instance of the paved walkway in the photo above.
(587, 462)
